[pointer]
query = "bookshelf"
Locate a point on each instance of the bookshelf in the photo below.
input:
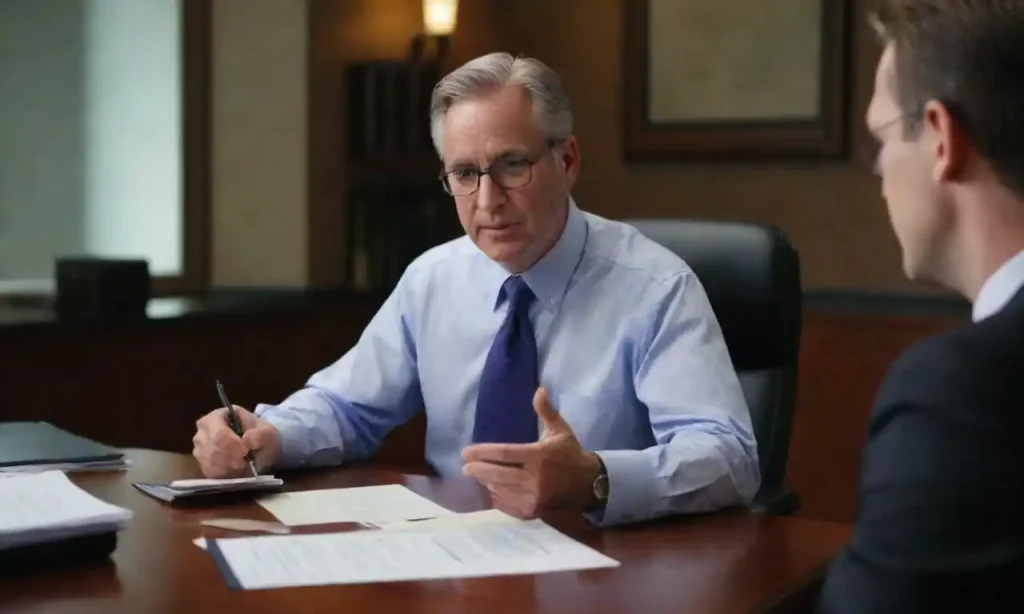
(396, 206)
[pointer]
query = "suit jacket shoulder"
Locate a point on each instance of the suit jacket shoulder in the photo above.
(974, 364)
(940, 526)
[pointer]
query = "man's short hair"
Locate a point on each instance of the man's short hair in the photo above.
(494, 71)
(968, 55)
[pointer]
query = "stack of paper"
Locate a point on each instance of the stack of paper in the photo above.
(485, 549)
(416, 539)
(46, 507)
(189, 489)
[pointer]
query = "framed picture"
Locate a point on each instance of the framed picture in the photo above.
(723, 79)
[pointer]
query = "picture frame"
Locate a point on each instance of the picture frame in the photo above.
(698, 85)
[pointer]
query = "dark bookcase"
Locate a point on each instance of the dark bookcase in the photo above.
(397, 207)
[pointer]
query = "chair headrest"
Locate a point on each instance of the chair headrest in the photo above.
(751, 274)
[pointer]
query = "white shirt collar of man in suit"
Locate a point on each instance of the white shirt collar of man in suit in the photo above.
(999, 288)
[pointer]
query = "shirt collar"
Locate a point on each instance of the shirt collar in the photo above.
(549, 277)
(999, 288)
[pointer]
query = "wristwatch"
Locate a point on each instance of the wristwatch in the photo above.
(601, 487)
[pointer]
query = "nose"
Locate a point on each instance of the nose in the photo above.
(489, 195)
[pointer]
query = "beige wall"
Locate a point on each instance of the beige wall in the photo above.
(833, 212)
(259, 143)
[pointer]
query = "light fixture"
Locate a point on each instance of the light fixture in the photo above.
(439, 18)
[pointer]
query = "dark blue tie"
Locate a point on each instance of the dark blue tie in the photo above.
(504, 406)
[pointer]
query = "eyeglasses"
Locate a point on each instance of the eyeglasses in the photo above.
(880, 129)
(507, 173)
(871, 154)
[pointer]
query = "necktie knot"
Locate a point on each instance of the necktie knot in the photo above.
(518, 294)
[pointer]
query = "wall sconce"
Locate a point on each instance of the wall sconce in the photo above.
(439, 18)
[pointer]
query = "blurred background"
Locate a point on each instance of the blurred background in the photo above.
(269, 162)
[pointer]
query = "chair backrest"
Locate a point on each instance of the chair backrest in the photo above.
(751, 274)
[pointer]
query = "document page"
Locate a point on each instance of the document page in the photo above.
(490, 549)
(367, 504)
(453, 521)
(40, 506)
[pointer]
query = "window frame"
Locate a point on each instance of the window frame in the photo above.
(196, 36)
(196, 66)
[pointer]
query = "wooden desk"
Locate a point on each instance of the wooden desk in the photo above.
(733, 562)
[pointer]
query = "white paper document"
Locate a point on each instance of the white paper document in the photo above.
(367, 504)
(452, 521)
(490, 549)
(41, 507)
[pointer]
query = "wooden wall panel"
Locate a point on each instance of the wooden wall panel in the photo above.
(843, 360)
(145, 384)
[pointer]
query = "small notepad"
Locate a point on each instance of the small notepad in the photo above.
(230, 483)
(192, 489)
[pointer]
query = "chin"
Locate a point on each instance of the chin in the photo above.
(512, 261)
(501, 246)
(508, 256)
(911, 270)
(915, 271)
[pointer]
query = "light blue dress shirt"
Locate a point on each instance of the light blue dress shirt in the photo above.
(628, 347)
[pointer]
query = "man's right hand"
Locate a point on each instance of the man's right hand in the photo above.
(221, 453)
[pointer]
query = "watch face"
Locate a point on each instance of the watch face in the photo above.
(601, 487)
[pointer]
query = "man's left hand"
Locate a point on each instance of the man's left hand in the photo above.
(525, 479)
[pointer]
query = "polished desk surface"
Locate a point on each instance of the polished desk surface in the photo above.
(730, 562)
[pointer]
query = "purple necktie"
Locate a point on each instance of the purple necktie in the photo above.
(504, 406)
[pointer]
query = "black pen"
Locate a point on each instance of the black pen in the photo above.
(236, 424)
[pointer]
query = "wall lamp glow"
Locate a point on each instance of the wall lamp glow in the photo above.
(439, 19)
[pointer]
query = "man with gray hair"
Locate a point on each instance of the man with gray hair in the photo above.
(563, 360)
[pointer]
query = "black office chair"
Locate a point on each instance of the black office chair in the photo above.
(752, 277)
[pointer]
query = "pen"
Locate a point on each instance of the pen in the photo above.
(236, 424)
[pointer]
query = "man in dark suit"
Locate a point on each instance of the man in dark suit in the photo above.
(941, 521)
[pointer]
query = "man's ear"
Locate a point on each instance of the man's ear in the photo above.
(945, 139)
(569, 154)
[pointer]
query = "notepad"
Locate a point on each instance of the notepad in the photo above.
(490, 549)
(205, 484)
(365, 504)
(192, 489)
(48, 507)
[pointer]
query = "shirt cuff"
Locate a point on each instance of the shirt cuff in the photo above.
(292, 433)
(632, 488)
